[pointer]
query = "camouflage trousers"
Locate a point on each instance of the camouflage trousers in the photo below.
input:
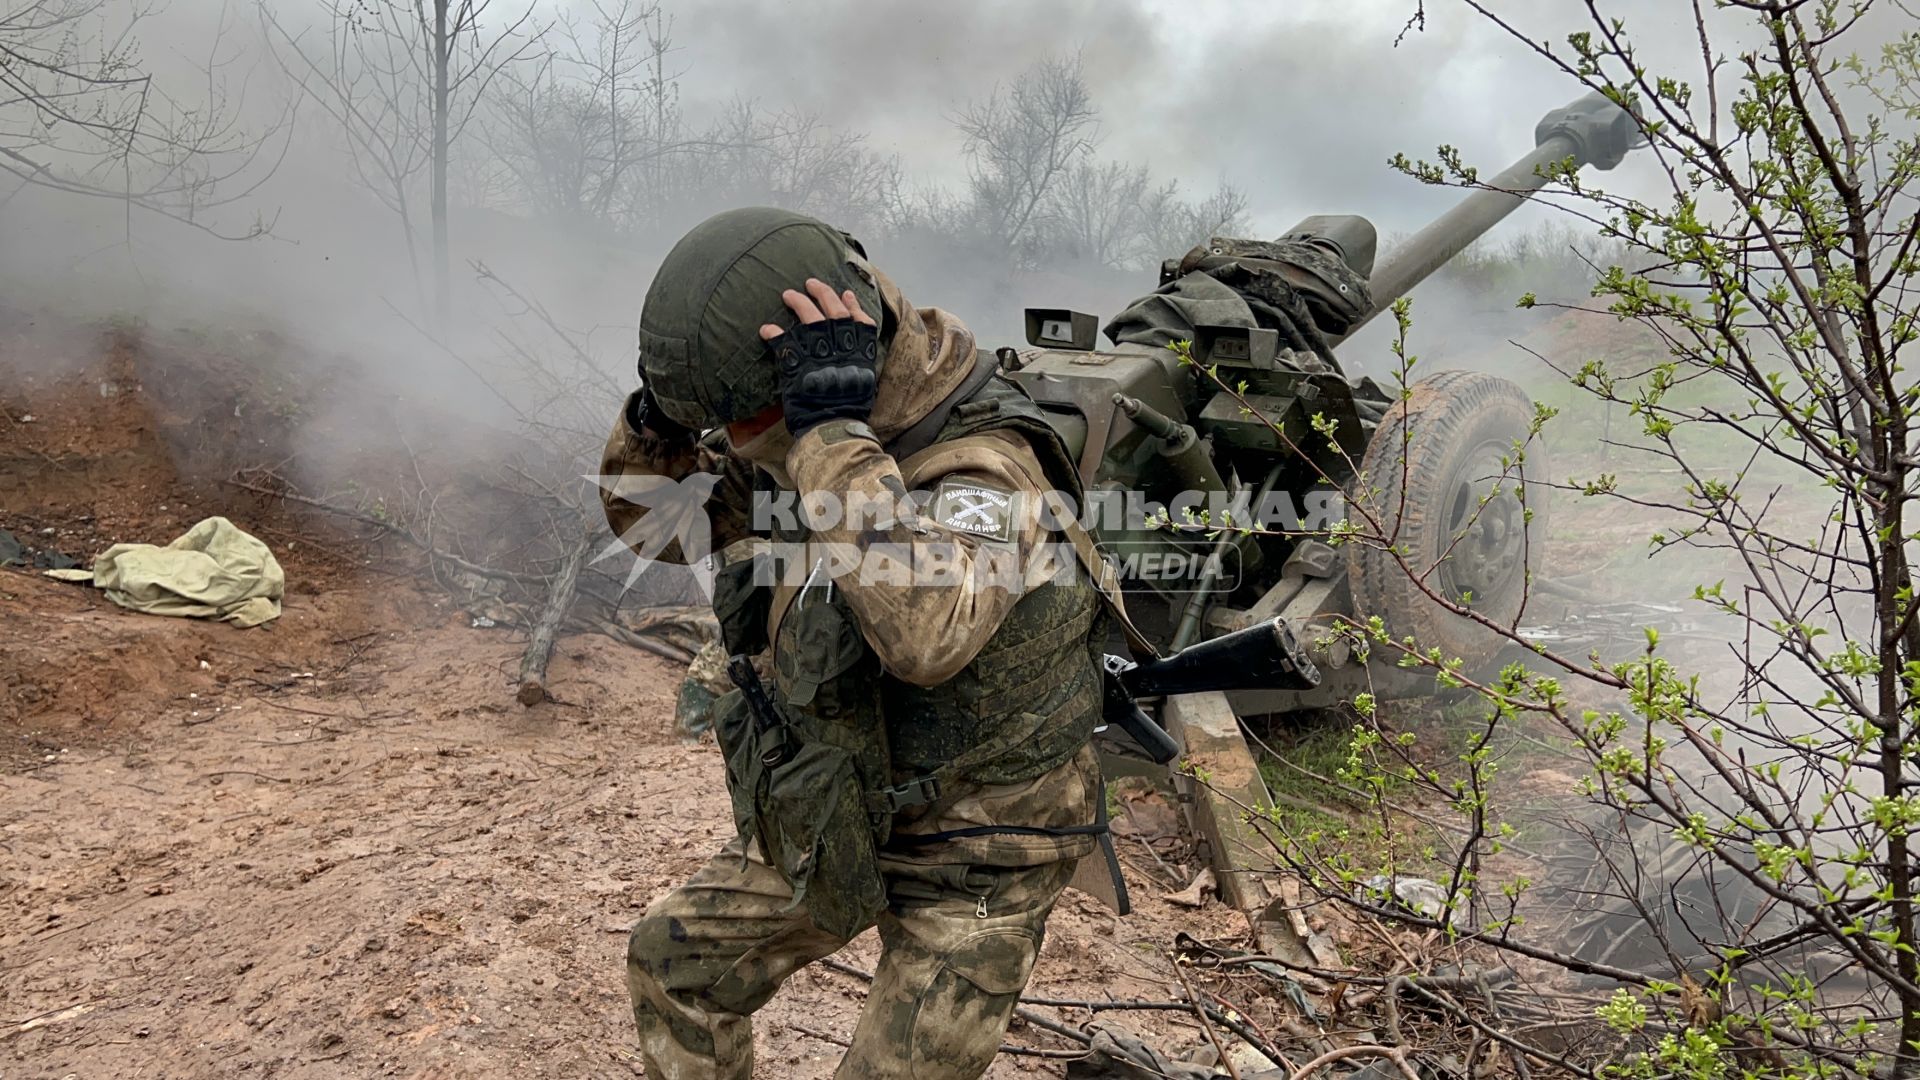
(957, 941)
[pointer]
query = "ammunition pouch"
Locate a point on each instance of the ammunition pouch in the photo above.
(741, 607)
(820, 840)
(806, 808)
(800, 778)
(746, 774)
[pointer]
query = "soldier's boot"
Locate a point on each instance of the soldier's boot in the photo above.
(705, 957)
(958, 945)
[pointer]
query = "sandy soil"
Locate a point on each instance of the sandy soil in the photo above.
(335, 846)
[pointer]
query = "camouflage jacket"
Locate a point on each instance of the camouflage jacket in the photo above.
(988, 678)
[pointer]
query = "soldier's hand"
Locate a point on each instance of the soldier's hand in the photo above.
(829, 363)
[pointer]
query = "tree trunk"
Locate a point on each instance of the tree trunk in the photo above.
(533, 663)
(442, 48)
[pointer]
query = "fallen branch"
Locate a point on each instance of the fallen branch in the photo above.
(533, 665)
(1491, 1032)
(572, 567)
(1046, 1023)
(823, 1036)
(245, 772)
(645, 644)
(1395, 1054)
(1200, 1010)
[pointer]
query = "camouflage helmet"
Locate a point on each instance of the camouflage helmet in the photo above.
(700, 347)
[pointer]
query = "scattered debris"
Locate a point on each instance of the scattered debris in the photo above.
(1418, 895)
(1189, 949)
(69, 1013)
(1311, 934)
(1195, 895)
(1115, 1054)
(15, 553)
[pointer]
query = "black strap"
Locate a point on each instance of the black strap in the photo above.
(1122, 904)
(922, 434)
(929, 839)
(1099, 830)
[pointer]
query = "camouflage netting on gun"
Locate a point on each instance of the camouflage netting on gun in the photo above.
(1300, 289)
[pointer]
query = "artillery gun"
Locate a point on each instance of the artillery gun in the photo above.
(1149, 431)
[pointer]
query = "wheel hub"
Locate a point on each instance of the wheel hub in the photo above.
(1487, 520)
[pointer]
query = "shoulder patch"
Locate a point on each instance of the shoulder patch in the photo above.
(974, 508)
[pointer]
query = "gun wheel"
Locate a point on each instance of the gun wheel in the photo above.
(1457, 486)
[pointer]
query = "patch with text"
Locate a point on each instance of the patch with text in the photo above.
(975, 509)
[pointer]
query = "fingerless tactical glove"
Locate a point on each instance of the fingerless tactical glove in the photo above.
(828, 371)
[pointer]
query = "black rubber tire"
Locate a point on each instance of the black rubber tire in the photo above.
(1463, 423)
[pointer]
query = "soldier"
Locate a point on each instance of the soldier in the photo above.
(922, 758)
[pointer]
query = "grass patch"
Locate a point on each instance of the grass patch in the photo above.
(1304, 762)
(1301, 762)
(1322, 805)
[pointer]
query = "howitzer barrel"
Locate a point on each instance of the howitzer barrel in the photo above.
(1591, 131)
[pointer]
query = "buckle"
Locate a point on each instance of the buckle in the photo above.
(912, 793)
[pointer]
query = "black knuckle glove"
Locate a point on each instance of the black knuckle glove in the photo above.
(644, 414)
(828, 371)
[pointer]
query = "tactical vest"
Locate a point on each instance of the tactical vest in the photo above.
(871, 745)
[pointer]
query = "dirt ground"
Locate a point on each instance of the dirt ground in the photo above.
(334, 846)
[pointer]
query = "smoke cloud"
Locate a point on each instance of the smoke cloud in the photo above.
(1298, 105)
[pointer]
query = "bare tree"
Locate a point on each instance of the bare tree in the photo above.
(1096, 212)
(79, 113)
(1022, 140)
(594, 132)
(1110, 214)
(793, 159)
(577, 130)
(403, 81)
(1170, 225)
